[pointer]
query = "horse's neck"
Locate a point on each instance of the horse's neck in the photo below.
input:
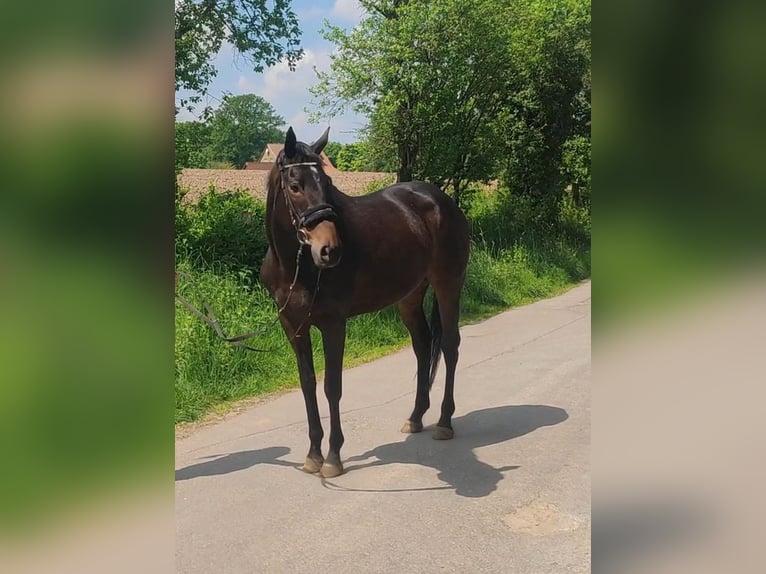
(336, 196)
(280, 232)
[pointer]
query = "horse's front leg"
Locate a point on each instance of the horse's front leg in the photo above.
(334, 341)
(301, 343)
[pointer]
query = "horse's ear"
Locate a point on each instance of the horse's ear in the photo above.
(318, 145)
(290, 143)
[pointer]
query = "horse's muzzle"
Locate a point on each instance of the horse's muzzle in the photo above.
(329, 256)
(326, 247)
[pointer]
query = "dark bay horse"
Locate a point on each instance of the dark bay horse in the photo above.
(332, 256)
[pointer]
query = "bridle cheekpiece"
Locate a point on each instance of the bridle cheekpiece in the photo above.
(311, 216)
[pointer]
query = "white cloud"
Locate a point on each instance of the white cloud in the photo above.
(280, 82)
(303, 129)
(347, 10)
(288, 92)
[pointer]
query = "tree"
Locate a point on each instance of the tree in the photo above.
(241, 127)
(462, 91)
(192, 144)
(350, 158)
(360, 156)
(263, 34)
(576, 168)
(551, 105)
(331, 151)
(431, 77)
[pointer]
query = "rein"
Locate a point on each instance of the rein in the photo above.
(310, 217)
(238, 341)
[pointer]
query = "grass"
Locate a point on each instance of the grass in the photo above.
(211, 375)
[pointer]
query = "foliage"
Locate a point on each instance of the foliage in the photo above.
(501, 219)
(236, 132)
(462, 92)
(377, 184)
(551, 103)
(224, 229)
(192, 144)
(331, 151)
(574, 221)
(264, 33)
(505, 269)
(360, 156)
(575, 167)
(350, 158)
(517, 275)
(379, 150)
(457, 93)
(427, 88)
(210, 373)
(241, 127)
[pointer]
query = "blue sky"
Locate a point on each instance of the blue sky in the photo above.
(288, 91)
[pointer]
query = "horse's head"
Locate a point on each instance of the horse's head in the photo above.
(306, 189)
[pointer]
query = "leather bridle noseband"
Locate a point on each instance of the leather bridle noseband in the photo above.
(311, 216)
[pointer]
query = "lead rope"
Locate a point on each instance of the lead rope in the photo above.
(238, 341)
(311, 306)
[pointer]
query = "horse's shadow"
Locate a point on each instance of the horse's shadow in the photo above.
(235, 461)
(455, 459)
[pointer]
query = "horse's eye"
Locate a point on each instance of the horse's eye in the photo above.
(294, 186)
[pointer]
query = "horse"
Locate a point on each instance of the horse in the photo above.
(332, 256)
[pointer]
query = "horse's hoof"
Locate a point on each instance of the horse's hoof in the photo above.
(330, 470)
(312, 465)
(410, 427)
(443, 433)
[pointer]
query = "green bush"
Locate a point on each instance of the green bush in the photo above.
(575, 221)
(500, 220)
(222, 228)
(377, 184)
(210, 372)
(220, 243)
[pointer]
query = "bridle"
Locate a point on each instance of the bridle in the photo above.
(301, 221)
(311, 216)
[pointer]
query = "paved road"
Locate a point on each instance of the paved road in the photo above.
(510, 493)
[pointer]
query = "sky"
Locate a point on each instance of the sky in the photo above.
(286, 91)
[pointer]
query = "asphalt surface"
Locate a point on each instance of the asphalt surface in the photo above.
(510, 493)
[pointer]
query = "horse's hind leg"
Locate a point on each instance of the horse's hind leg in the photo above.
(449, 312)
(413, 317)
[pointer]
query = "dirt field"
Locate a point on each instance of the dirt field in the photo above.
(198, 180)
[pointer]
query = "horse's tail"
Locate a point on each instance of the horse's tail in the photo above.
(436, 341)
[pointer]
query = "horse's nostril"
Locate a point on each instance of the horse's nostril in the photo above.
(325, 253)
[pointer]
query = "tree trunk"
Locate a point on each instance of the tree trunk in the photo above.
(404, 170)
(456, 188)
(576, 194)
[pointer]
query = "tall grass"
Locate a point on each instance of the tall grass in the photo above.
(210, 372)
(220, 245)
